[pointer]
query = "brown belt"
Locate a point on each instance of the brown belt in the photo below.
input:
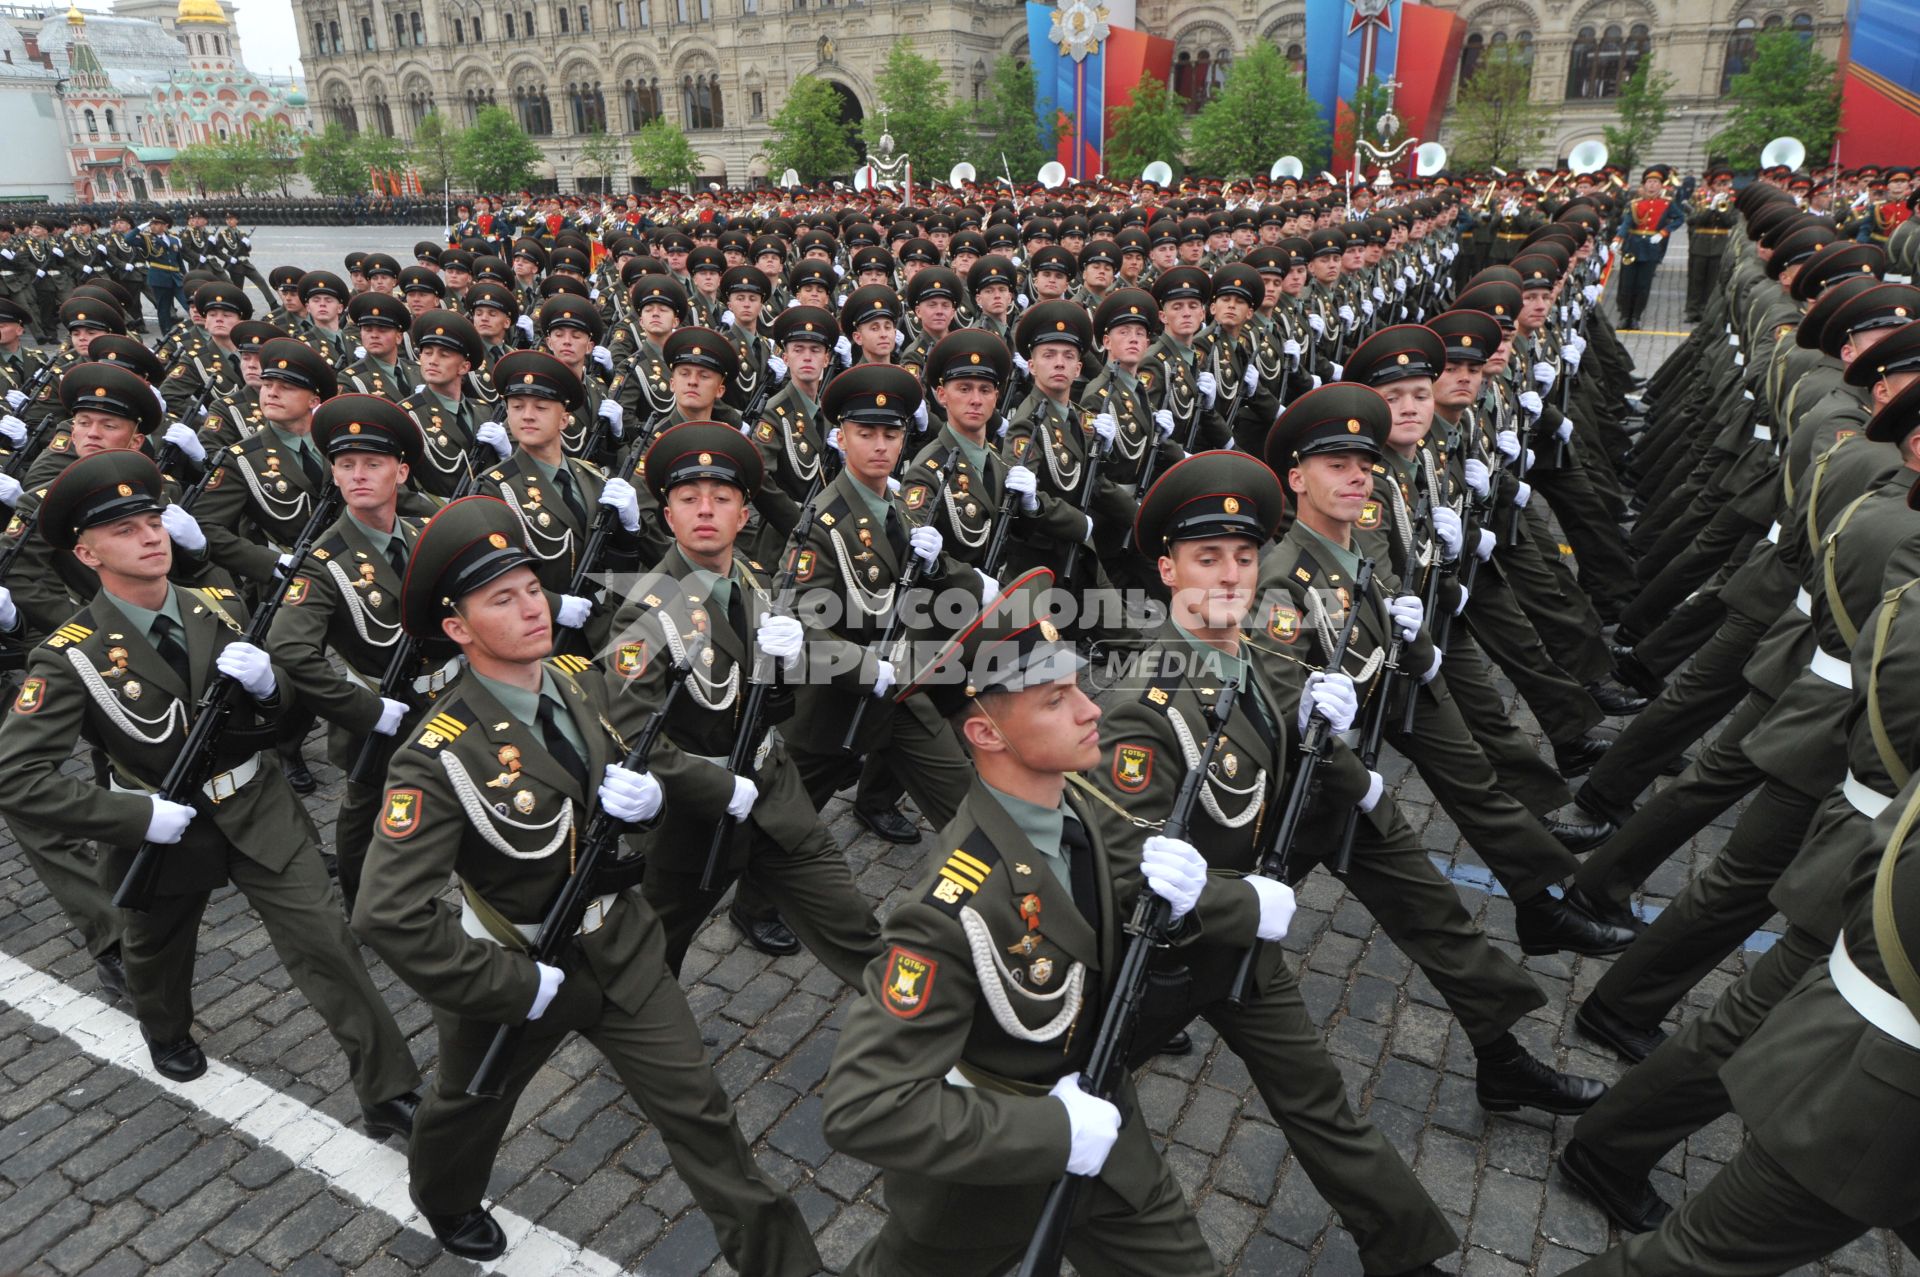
(1707, 230)
(1510, 234)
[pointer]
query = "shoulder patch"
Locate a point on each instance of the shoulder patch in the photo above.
(630, 660)
(32, 696)
(1370, 515)
(908, 982)
(296, 591)
(1132, 768)
(400, 817)
(916, 496)
(804, 565)
(1284, 623)
(764, 432)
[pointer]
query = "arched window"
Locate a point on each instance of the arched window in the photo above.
(1297, 58)
(478, 33)
(589, 108)
(586, 20)
(333, 33)
(526, 16)
(93, 124)
(1803, 25)
(319, 37)
(383, 116)
(203, 43)
(1739, 53)
(509, 26)
(719, 112)
(459, 31)
(366, 33)
(399, 29)
(216, 45)
(1582, 62)
(1470, 54)
(566, 23)
(418, 28)
(1523, 47)
(534, 111)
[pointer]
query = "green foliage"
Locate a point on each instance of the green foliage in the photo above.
(1007, 124)
(332, 163)
(1261, 113)
(280, 145)
(1151, 127)
(662, 154)
(928, 127)
(495, 155)
(808, 135)
(1789, 90)
(1495, 121)
(602, 156)
(1643, 113)
(436, 150)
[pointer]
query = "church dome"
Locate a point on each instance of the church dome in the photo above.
(202, 11)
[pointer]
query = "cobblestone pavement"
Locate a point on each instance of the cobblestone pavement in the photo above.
(104, 1170)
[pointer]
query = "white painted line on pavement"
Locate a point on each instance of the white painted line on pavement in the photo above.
(353, 1165)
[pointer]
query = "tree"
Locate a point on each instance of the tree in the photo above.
(1790, 90)
(280, 145)
(436, 151)
(662, 154)
(1643, 113)
(808, 133)
(1495, 122)
(202, 166)
(602, 156)
(1261, 113)
(927, 126)
(495, 155)
(1151, 127)
(332, 164)
(1007, 121)
(380, 158)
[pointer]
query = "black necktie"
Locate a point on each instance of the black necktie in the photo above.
(397, 555)
(897, 536)
(1079, 853)
(170, 642)
(558, 745)
(568, 495)
(310, 465)
(736, 610)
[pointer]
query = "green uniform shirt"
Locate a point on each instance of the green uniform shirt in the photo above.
(145, 617)
(525, 706)
(1044, 828)
(299, 446)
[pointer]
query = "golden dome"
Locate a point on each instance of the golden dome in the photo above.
(75, 17)
(208, 11)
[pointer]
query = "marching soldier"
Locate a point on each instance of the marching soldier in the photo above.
(449, 351)
(380, 367)
(540, 728)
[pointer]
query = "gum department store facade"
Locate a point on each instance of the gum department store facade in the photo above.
(721, 68)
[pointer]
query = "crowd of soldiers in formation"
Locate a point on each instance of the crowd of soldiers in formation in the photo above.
(1120, 535)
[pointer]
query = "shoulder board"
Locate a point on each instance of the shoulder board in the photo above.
(590, 467)
(322, 554)
(218, 592)
(71, 632)
(1378, 468)
(1156, 695)
(439, 730)
(1304, 568)
(496, 474)
(966, 870)
(570, 664)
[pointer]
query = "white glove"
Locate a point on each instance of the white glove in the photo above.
(282, 565)
(1379, 293)
(1523, 494)
(631, 796)
(1209, 387)
(624, 501)
(494, 435)
(15, 431)
(778, 367)
(604, 357)
(1433, 670)
(9, 490)
(1477, 477)
(1460, 608)
(1531, 401)
(1508, 442)
(920, 415)
(1175, 871)
(168, 821)
(1545, 374)
(1251, 378)
(359, 352)
(1163, 419)
(1575, 311)
(1483, 548)
(574, 611)
(1570, 355)
(1366, 306)
(178, 434)
(780, 637)
(525, 325)
(1407, 612)
(726, 319)
(1371, 799)
(1338, 370)
(1291, 348)
(1094, 1123)
(833, 441)
(884, 678)
(1592, 291)
(9, 614)
(840, 272)
(39, 274)
(1276, 907)
(1020, 299)
(391, 712)
(843, 348)
(1020, 362)
(1332, 697)
(893, 485)
(1021, 480)
(899, 340)
(248, 666)
(1346, 316)
(182, 527)
(989, 589)
(16, 399)
(745, 792)
(616, 416)
(550, 978)
(1400, 285)
(1563, 431)
(927, 544)
(1446, 530)
(1317, 323)
(1105, 428)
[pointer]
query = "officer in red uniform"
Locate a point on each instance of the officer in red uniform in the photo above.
(1644, 232)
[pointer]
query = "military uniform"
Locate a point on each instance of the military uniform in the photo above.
(1708, 226)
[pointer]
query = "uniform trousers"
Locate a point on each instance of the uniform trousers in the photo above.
(70, 870)
(1565, 709)
(1517, 763)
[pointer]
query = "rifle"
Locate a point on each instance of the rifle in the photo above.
(1087, 486)
(1273, 854)
(740, 759)
(1430, 598)
(398, 676)
(30, 447)
(1370, 737)
(210, 719)
(602, 528)
(557, 929)
(1107, 1063)
(909, 577)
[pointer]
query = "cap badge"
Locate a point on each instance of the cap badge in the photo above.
(1049, 631)
(126, 489)
(1353, 425)
(526, 379)
(880, 401)
(706, 458)
(497, 540)
(353, 428)
(974, 357)
(1231, 505)
(1400, 359)
(99, 392)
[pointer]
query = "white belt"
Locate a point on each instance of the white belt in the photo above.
(1898, 279)
(1803, 602)
(591, 921)
(1773, 533)
(217, 789)
(1763, 433)
(1874, 1004)
(438, 679)
(1832, 669)
(1867, 801)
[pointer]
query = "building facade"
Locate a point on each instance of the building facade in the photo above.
(721, 68)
